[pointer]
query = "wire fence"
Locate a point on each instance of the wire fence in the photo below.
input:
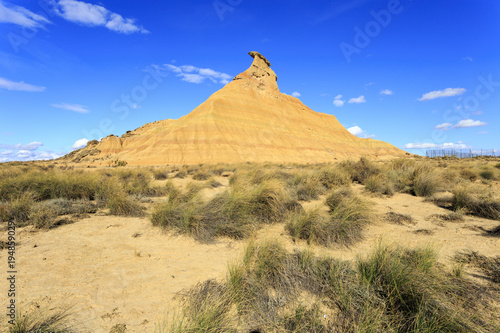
(463, 153)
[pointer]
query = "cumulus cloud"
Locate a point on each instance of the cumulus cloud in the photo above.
(95, 15)
(469, 123)
(428, 145)
(194, 74)
(338, 102)
(30, 146)
(26, 152)
(355, 130)
(444, 126)
(296, 94)
(448, 92)
(386, 92)
(20, 16)
(81, 143)
(19, 86)
(71, 107)
(358, 100)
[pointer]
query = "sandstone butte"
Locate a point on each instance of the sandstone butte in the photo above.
(247, 120)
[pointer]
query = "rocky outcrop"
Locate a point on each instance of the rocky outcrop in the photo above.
(247, 120)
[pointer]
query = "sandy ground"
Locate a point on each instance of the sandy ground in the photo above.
(113, 270)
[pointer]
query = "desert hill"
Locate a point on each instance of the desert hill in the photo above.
(247, 120)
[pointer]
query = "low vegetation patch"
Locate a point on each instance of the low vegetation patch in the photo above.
(234, 213)
(397, 218)
(343, 225)
(392, 290)
(42, 321)
(489, 265)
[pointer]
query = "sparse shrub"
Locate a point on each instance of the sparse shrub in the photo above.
(118, 163)
(361, 169)
(42, 216)
(497, 165)
(160, 174)
(393, 290)
(18, 208)
(213, 183)
(234, 213)
(62, 206)
(489, 265)
(468, 174)
(123, 205)
(487, 174)
(425, 184)
(348, 216)
(334, 176)
(41, 321)
(309, 225)
(397, 218)
(379, 184)
(201, 175)
(181, 174)
(464, 200)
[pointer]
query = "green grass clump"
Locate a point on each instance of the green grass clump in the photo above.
(418, 298)
(42, 216)
(342, 226)
(18, 208)
(379, 184)
(360, 170)
(122, 204)
(160, 174)
(40, 321)
(234, 213)
(465, 200)
(487, 174)
(419, 178)
(392, 290)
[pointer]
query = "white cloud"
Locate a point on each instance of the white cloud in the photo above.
(20, 16)
(19, 86)
(369, 84)
(386, 92)
(296, 94)
(194, 74)
(468, 58)
(443, 126)
(428, 145)
(26, 152)
(95, 15)
(338, 103)
(469, 123)
(30, 146)
(355, 130)
(71, 107)
(338, 96)
(80, 143)
(358, 100)
(448, 92)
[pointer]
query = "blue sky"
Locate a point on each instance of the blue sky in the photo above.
(418, 74)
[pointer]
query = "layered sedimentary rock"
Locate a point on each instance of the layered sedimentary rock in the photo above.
(247, 120)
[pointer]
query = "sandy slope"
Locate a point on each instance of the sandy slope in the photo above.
(115, 270)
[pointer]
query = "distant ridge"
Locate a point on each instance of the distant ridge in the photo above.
(249, 119)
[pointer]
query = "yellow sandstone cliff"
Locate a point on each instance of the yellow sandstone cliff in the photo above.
(247, 120)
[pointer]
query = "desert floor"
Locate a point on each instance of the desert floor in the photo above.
(110, 270)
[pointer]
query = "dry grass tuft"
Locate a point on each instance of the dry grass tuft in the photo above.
(397, 218)
(392, 290)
